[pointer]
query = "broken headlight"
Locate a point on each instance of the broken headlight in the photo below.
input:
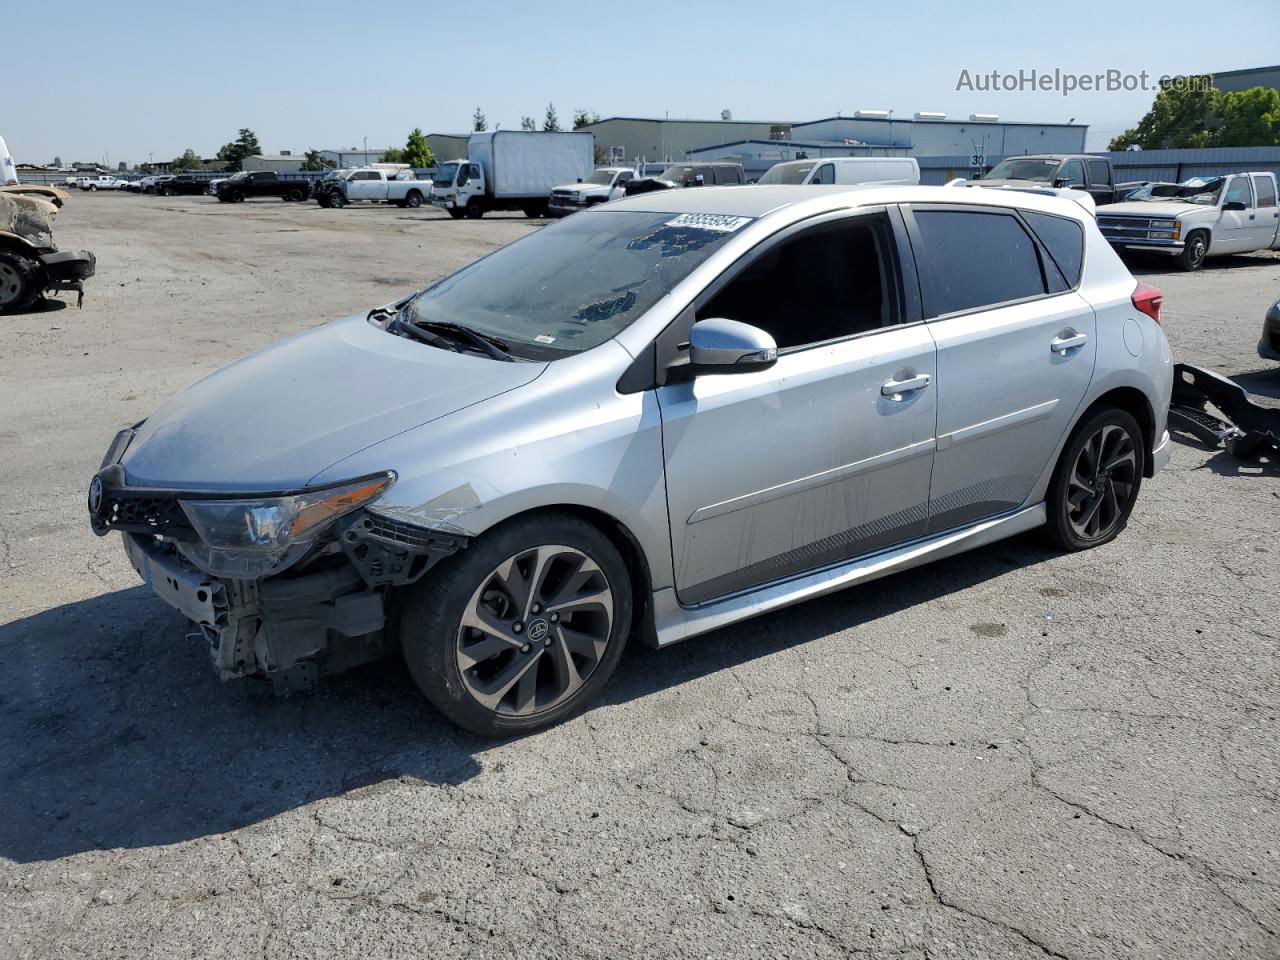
(271, 524)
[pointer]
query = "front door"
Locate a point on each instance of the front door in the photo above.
(1236, 228)
(1016, 347)
(826, 455)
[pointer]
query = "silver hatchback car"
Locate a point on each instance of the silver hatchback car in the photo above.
(653, 418)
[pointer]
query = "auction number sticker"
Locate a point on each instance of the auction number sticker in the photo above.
(718, 222)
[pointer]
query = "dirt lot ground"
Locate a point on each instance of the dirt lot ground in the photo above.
(1008, 754)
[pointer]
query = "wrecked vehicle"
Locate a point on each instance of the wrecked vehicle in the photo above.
(30, 262)
(1197, 219)
(608, 428)
(11, 186)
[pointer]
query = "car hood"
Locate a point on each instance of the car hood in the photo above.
(1155, 208)
(277, 418)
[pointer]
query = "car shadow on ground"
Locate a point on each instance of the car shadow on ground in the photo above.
(117, 735)
(1148, 266)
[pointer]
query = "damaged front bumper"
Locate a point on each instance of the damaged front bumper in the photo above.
(321, 613)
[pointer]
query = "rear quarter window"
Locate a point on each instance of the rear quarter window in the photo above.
(978, 259)
(1064, 239)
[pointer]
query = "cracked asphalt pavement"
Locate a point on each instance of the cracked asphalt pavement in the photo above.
(1009, 754)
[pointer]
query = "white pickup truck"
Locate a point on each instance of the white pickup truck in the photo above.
(374, 184)
(1198, 218)
(99, 183)
(605, 184)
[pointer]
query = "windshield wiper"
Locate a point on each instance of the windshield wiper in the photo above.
(496, 348)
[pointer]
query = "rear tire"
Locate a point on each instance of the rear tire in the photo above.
(1096, 482)
(296, 195)
(541, 666)
(19, 282)
(1194, 252)
(413, 200)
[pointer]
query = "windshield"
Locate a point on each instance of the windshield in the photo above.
(604, 177)
(679, 173)
(1201, 192)
(446, 173)
(575, 284)
(1024, 168)
(238, 176)
(788, 172)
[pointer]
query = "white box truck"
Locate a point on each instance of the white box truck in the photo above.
(512, 170)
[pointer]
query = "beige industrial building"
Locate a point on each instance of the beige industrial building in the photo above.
(284, 162)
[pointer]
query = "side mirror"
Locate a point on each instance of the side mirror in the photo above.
(717, 345)
(1234, 205)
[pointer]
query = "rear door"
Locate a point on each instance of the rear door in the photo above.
(1016, 347)
(1268, 214)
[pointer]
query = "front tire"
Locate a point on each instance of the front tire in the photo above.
(521, 630)
(1194, 252)
(1096, 482)
(19, 282)
(474, 210)
(336, 200)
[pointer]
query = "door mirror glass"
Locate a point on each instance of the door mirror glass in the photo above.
(717, 345)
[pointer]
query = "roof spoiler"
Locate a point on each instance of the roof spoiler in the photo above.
(1082, 197)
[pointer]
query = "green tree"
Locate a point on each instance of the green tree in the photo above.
(393, 155)
(316, 161)
(528, 123)
(1191, 112)
(582, 117)
(245, 145)
(551, 123)
(1249, 118)
(188, 161)
(479, 122)
(1180, 116)
(417, 152)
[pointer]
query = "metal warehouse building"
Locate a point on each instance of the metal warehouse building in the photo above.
(657, 140)
(1236, 80)
(876, 132)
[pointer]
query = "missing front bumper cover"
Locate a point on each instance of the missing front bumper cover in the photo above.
(325, 619)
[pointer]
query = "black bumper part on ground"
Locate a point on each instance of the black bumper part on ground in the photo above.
(1247, 427)
(68, 270)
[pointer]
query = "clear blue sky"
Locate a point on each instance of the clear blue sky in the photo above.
(133, 80)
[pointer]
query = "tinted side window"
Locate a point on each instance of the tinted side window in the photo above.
(824, 174)
(1266, 190)
(829, 282)
(1064, 239)
(1099, 172)
(978, 259)
(1072, 171)
(728, 176)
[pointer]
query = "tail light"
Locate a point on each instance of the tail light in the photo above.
(1148, 300)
